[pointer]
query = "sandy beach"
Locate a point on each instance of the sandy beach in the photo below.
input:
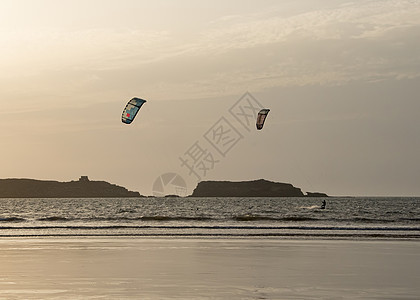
(213, 268)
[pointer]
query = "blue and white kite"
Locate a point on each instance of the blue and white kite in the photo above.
(131, 109)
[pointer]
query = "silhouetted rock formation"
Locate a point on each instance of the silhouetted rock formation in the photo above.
(316, 194)
(256, 188)
(84, 188)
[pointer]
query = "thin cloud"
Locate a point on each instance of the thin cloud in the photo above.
(366, 19)
(333, 44)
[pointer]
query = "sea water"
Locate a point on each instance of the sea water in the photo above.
(343, 217)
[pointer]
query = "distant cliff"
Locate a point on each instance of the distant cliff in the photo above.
(255, 188)
(83, 188)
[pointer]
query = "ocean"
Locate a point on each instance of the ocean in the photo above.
(356, 218)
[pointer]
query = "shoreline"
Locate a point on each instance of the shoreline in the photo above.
(207, 268)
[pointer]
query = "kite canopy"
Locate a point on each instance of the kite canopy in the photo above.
(131, 109)
(261, 118)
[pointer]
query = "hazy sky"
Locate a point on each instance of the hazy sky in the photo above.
(342, 80)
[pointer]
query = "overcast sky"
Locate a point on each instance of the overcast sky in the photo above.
(342, 80)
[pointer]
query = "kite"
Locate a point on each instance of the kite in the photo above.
(131, 109)
(261, 118)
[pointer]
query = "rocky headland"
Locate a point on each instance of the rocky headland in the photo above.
(83, 188)
(255, 188)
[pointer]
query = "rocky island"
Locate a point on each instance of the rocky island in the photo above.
(83, 188)
(255, 188)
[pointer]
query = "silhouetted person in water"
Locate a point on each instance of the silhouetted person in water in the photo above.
(323, 204)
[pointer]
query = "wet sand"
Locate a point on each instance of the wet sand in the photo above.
(165, 268)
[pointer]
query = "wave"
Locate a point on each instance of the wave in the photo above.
(253, 230)
(311, 207)
(374, 220)
(168, 218)
(53, 219)
(351, 236)
(12, 219)
(236, 218)
(218, 227)
(265, 218)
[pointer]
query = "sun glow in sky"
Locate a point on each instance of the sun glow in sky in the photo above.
(341, 79)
